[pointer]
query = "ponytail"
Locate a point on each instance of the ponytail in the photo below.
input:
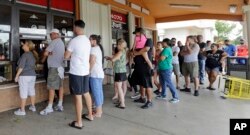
(98, 38)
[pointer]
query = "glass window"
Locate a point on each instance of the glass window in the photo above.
(4, 46)
(5, 72)
(32, 23)
(65, 25)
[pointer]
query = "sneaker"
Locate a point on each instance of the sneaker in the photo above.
(147, 105)
(32, 108)
(186, 90)
(174, 100)
(140, 100)
(196, 93)
(46, 111)
(159, 97)
(157, 92)
(19, 112)
(59, 108)
(201, 83)
(136, 95)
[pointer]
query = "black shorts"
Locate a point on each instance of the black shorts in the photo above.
(120, 77)
(142, 78)
(78, 85)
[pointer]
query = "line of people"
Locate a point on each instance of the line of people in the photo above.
(151, 64)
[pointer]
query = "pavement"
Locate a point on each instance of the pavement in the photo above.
(208, 114)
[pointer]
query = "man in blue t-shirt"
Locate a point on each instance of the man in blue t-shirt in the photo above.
(229, 48)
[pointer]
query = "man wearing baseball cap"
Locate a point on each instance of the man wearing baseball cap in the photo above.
(55, 53)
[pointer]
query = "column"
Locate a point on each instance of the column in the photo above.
(246, 12)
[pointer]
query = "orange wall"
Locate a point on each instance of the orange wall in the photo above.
(149, 21)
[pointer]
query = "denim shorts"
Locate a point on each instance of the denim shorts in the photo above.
(96, 90)
(216, 69)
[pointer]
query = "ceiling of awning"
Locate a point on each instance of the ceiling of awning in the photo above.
(207, 9)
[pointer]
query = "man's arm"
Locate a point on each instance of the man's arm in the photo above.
(145, 49)
(67, 54)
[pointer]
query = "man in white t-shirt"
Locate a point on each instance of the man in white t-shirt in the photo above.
(79, 53)
(190, 66)
(175, 61)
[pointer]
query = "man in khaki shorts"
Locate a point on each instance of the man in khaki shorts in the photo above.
(190, 66)
(55, 53)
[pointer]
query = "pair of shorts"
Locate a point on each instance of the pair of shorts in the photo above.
(141, 78)
(96, 90)
(78, 85)
(54, 82)
(176, 69)
(191, 68)
(120, 77)
(27, 86)
(216, 69)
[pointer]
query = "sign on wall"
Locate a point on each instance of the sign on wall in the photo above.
(118, 17)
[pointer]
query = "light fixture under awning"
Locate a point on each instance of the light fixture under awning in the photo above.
(188, 6)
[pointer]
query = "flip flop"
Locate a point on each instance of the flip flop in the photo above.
(73, 125)
(85, 116)
(121, 107)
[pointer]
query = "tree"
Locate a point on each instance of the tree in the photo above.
(223, 29)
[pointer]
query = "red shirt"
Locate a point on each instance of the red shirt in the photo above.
(242, 50)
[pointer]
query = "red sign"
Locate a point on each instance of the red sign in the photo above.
(66, 5)
(43, 3)
(118, 17)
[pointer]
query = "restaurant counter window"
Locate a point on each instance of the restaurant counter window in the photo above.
(5, 64)
(33, 27)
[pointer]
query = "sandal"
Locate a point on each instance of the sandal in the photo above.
(73, 125)
(119, 106)
(85, 116)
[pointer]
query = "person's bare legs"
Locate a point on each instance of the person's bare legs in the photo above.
(124, 88)
(142, 91)
(61, 92)
(187, 81)
(98, 112)
(23, 103)
(120, 93)
(149, 94)
(196, 83)
(88, 100)
(156, 82)
(33, 100)
(213, 77)
(116, 94)
(51, 96)
(78, 107)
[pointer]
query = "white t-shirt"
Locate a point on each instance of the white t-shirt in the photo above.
(175, 58)
(193, 57)
(97, 70)
(80, 48)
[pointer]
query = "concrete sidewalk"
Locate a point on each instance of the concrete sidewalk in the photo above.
(207, 114)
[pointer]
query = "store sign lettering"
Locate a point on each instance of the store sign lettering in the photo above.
(116, 25)
(118, 17)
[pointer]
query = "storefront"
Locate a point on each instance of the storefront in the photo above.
(119, 27)
(29, 20)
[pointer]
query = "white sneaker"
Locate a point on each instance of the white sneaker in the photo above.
(59, 108)
(174, 100)
(46, 111)
(19, 112)
(136, 95)
(32, 108)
